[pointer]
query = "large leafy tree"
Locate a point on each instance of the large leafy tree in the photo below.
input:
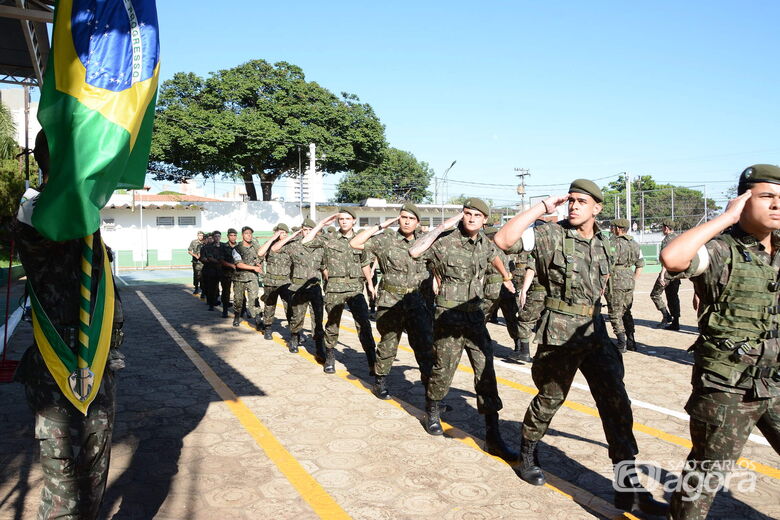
(398, 177)
(258, 119)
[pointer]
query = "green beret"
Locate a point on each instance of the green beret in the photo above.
(349, 211)
(232, 230)
(283, 227)
(206, 235)
(668, 223)
(200, 233)
(760, 173)
(477, 204)
(295, 228)
(587, 187)
(411, 208)
(246, 228)
(489, 230)
(621, 223)
(309, 223)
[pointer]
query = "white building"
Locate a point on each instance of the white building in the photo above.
(13, 99)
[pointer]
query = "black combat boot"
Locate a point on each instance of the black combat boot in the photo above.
(380, 388)
(330, 361)
(665, 320)
(292, 343)
(631, 496)
(211, 307)
(259, 323)
(621, 342)
(301, 338)
(319, 351)
(224, 311)
(630, 341)
(529, 469)
(371, 360)
(522, 351)
(674, 324)
(432, 418)
(196, 291)
(236, 319)
(267, 334)
(494, 444)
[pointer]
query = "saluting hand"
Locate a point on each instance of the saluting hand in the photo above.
(550, 203)
(389, 222)
(453, 221)
(735, 207)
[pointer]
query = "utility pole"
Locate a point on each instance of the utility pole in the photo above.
(628, 199)
(522, 173)
(443, 180)
(312, 171)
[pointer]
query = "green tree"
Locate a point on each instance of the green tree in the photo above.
(398, 177)
(258, 119)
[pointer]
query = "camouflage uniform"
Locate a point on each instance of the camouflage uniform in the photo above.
(672, 288)
(345, 287)
(306, 290)
(534, 301)
(276, 278)
(459, 322)
(245, 282)
(736, 384)
(401, 306)
(626, 256)
(211, 271)
(197, 267)
(497, 296)
(74, 448)
(572, 335)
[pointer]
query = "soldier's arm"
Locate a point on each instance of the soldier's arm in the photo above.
(499, 265)
(511, 232)
(316, 229)
(422, 244)
(268, 243)
(359, 240)
(281, 243)
(677, 256)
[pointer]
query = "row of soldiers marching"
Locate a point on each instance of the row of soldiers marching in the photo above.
(440, 288)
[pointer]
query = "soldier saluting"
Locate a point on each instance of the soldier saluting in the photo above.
(460, 258)
(573, 265)
(733, 263)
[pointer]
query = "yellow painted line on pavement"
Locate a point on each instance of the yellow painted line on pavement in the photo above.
(310, 490)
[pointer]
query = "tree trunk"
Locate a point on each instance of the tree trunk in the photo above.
(251, 192)
(266, 183)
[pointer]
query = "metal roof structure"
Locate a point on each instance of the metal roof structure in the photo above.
(24, 40)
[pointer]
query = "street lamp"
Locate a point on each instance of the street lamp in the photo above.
(443, 179)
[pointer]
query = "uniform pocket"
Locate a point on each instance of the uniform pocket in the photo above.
(706, 410)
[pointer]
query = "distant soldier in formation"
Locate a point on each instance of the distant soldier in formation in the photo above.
(573, 266)
(530, 301)
(460, 258)
(733, 262)
(305, 288)
(245, 287)
(197, 267)
(211, 256)
(401, 306)
(627, 263)
(228, 269)
(671, 287)
(276, 278)
(497, 296)
(343, 270)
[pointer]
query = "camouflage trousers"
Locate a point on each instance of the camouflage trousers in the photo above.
(620, 303)
(197, 270)
(720, 424)
(507, 302)
(334, 308)
(453, 331)
(553, 371)
(529, 315)
(245, 293)
(309, 295)
(74, 449)
(409, 315)
(672, 290)
(271, 295)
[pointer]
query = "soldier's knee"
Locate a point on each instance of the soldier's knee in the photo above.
(57, 458)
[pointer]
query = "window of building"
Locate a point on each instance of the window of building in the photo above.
(435, 221)
(187, 221)
(164, 221)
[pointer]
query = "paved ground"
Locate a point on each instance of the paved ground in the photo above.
(215, 422)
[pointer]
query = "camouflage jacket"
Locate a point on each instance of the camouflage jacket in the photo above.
(401, 273)
(461, 262)
(710, 271)
(518, 264)
(306, 263)
(626, 256)
(344, 264)
(574, 272)
(667, 238)
(278, 267)
(194, 248)
(493, 279)
(248, 256)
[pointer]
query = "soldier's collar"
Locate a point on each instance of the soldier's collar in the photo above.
(748, 240)
(400, 236)
(465, 238)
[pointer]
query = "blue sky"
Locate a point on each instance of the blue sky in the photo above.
(684, 91)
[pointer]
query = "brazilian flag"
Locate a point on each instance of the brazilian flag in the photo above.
(97, 109)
